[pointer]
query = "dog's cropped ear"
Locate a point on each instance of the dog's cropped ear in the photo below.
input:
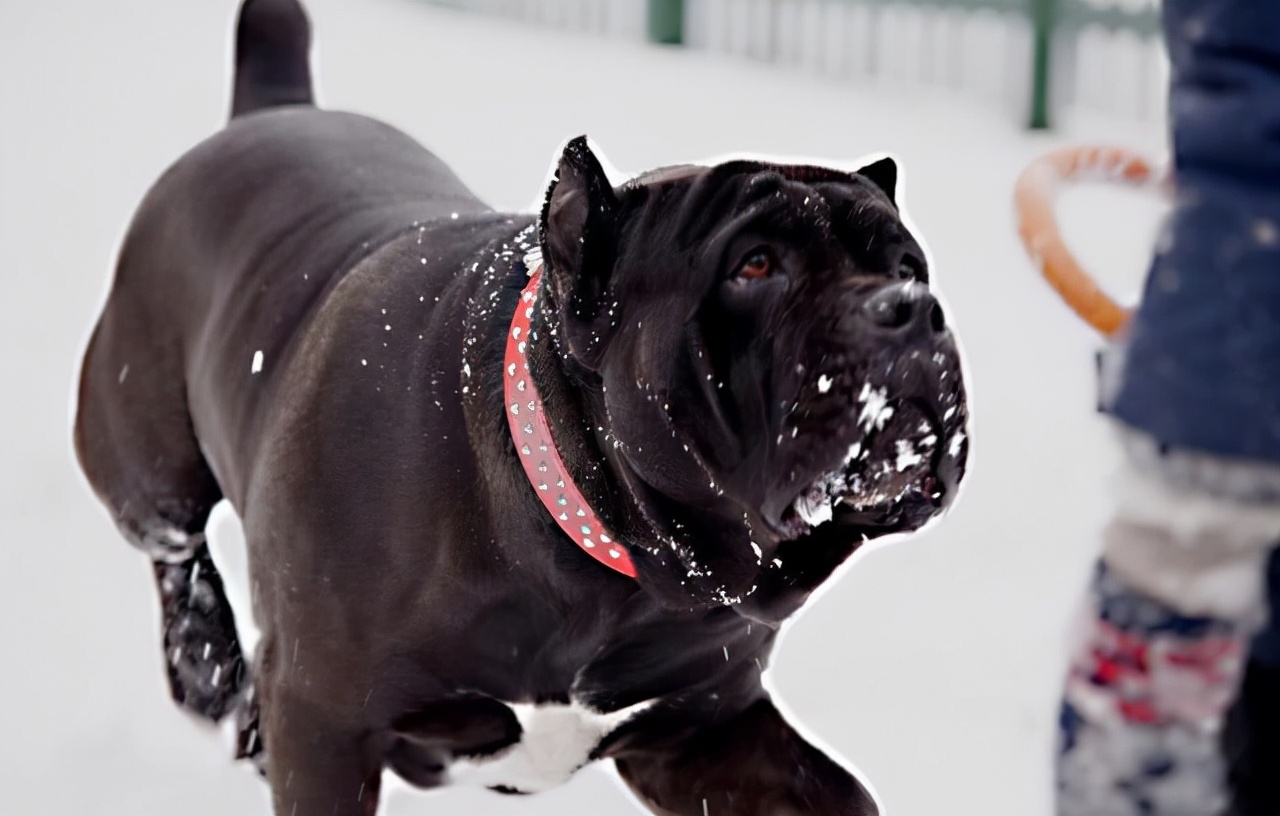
(578, 233)
(883, 173)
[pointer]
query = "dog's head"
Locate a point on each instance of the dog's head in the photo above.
(767, 354)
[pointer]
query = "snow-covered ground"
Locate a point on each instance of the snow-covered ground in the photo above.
(932, 664)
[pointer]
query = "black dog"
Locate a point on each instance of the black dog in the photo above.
(519, 493)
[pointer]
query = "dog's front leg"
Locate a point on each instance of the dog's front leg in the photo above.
(753, 765)
(316, 765)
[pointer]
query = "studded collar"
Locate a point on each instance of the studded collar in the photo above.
(537, 451)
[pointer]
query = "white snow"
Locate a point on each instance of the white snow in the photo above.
(907, 455)
(949, 640)
(876, 410)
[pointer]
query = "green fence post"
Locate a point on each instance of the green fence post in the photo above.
(1043, 16)
(666, 21)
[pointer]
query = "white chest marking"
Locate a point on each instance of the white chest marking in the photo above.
(556, 741)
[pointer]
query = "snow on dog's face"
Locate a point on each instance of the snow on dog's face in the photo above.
(769, 355)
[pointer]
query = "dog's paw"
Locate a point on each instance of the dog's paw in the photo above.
(203, 660)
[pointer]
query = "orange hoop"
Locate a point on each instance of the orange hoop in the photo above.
(1034, 196)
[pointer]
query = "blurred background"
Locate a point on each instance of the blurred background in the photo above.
(932, 664)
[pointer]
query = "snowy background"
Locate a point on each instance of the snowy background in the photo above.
(932, 665)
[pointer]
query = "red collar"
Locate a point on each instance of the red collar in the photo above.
(537, 449)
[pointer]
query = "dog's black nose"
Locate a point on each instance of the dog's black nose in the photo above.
(901, 307)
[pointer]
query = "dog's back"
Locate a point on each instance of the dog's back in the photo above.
(282, 201)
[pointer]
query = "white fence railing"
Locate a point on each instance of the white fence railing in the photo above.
(1105, 55)
(615, 18)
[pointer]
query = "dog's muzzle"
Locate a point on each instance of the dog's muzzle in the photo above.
(896, 425)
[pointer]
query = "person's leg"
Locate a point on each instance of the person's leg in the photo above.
(1174, 603)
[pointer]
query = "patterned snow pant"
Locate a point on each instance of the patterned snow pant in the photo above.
(1154, 721)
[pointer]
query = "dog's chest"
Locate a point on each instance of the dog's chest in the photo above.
(556, 740)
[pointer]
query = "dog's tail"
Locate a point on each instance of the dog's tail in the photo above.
(272, 41)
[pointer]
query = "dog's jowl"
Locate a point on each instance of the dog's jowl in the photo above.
(519, 492)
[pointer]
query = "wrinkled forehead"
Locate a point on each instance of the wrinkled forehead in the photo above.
(706, 205)
(828, 183)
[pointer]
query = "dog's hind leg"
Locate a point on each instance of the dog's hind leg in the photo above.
(135, 442)
(203, 660)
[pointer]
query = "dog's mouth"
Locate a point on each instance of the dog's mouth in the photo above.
(895, 476)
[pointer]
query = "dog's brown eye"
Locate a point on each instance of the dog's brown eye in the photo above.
(910, 268)
(757, 265)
